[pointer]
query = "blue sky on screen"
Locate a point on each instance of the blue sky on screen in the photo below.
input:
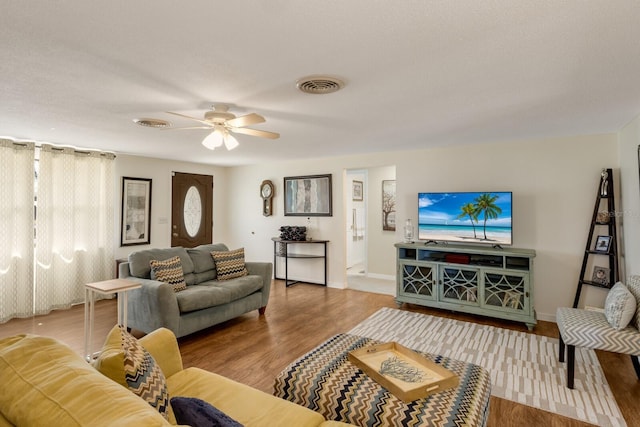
(444, 208)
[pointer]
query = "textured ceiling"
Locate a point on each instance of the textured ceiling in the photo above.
(418, 73)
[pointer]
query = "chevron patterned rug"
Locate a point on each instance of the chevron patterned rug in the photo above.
(524, 367)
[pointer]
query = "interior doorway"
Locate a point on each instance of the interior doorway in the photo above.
(356, 222)
(370, 252)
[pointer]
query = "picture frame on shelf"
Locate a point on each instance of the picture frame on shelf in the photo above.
(308, 195)
(136, 211)
(603, 244)
(601, 275)
(357, 191)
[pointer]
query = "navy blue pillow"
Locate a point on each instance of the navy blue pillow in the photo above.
(198, 413)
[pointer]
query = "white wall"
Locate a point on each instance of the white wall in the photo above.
(379, 263)
(160, 172)
(553, 182)
(629, 138)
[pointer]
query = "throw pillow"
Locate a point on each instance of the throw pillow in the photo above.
(124, 360)
(169, 271)
(633, 284)
(198, 413)
(230, 264)
(619, 306)
(143, 375)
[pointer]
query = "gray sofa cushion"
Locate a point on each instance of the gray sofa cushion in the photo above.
(212, 293)
(202, 259)
(139, 261)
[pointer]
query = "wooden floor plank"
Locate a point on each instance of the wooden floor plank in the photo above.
(252, 349)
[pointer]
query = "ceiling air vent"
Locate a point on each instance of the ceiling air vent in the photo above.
(319, 85)
(153, 123)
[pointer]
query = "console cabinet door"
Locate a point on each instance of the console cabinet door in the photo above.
(459, 284)
(418, 280)
(506, 291)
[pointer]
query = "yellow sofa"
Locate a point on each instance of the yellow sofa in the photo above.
(44, 382)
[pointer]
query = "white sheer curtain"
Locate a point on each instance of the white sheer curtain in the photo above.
(16, 229)
(74, 226)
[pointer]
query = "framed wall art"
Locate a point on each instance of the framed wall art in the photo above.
(308, 195)
(357, 191)
(389, 205)
(136, 211)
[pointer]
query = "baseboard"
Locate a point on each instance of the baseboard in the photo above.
(381, 276)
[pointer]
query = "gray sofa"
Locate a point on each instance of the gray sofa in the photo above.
(204, 303)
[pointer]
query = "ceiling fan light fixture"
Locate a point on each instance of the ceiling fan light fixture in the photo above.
(213, 140)
(230, 142)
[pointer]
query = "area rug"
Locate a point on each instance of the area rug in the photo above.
(524, 367)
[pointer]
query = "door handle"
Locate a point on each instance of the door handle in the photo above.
(175, 234)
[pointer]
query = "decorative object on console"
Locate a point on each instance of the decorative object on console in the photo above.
(308, 195)
(267, 192)
(136, 211)
(408, 231)
(389, 205)
(296, 233)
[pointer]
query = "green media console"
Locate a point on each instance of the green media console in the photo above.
(494, 282)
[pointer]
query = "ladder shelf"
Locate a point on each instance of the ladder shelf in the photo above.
(602, 241)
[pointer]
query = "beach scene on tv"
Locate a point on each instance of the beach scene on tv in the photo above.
(465, 217)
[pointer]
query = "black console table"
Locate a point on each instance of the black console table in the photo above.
(284, 253)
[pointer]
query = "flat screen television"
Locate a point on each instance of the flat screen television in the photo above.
(466, 217)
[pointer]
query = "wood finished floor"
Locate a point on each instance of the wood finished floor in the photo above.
(253, 349)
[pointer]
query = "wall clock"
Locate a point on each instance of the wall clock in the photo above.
(266, 192)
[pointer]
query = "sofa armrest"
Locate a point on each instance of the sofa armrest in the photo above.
(264, 270)
(163, 347)
(154, 305)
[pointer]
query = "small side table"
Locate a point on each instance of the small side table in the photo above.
(106, 287)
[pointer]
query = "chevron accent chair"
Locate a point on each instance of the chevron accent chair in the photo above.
(617, 329)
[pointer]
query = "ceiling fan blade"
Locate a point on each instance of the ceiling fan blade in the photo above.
(256, 132)
(242, 121)
(189, 127)
(188, 117)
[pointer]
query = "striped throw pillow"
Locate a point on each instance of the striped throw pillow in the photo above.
(229, 264)
(169, 271)
(143, 375)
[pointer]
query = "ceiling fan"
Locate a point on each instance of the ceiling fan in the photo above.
(223, 124)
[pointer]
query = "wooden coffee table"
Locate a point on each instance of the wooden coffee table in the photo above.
(325, 381)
